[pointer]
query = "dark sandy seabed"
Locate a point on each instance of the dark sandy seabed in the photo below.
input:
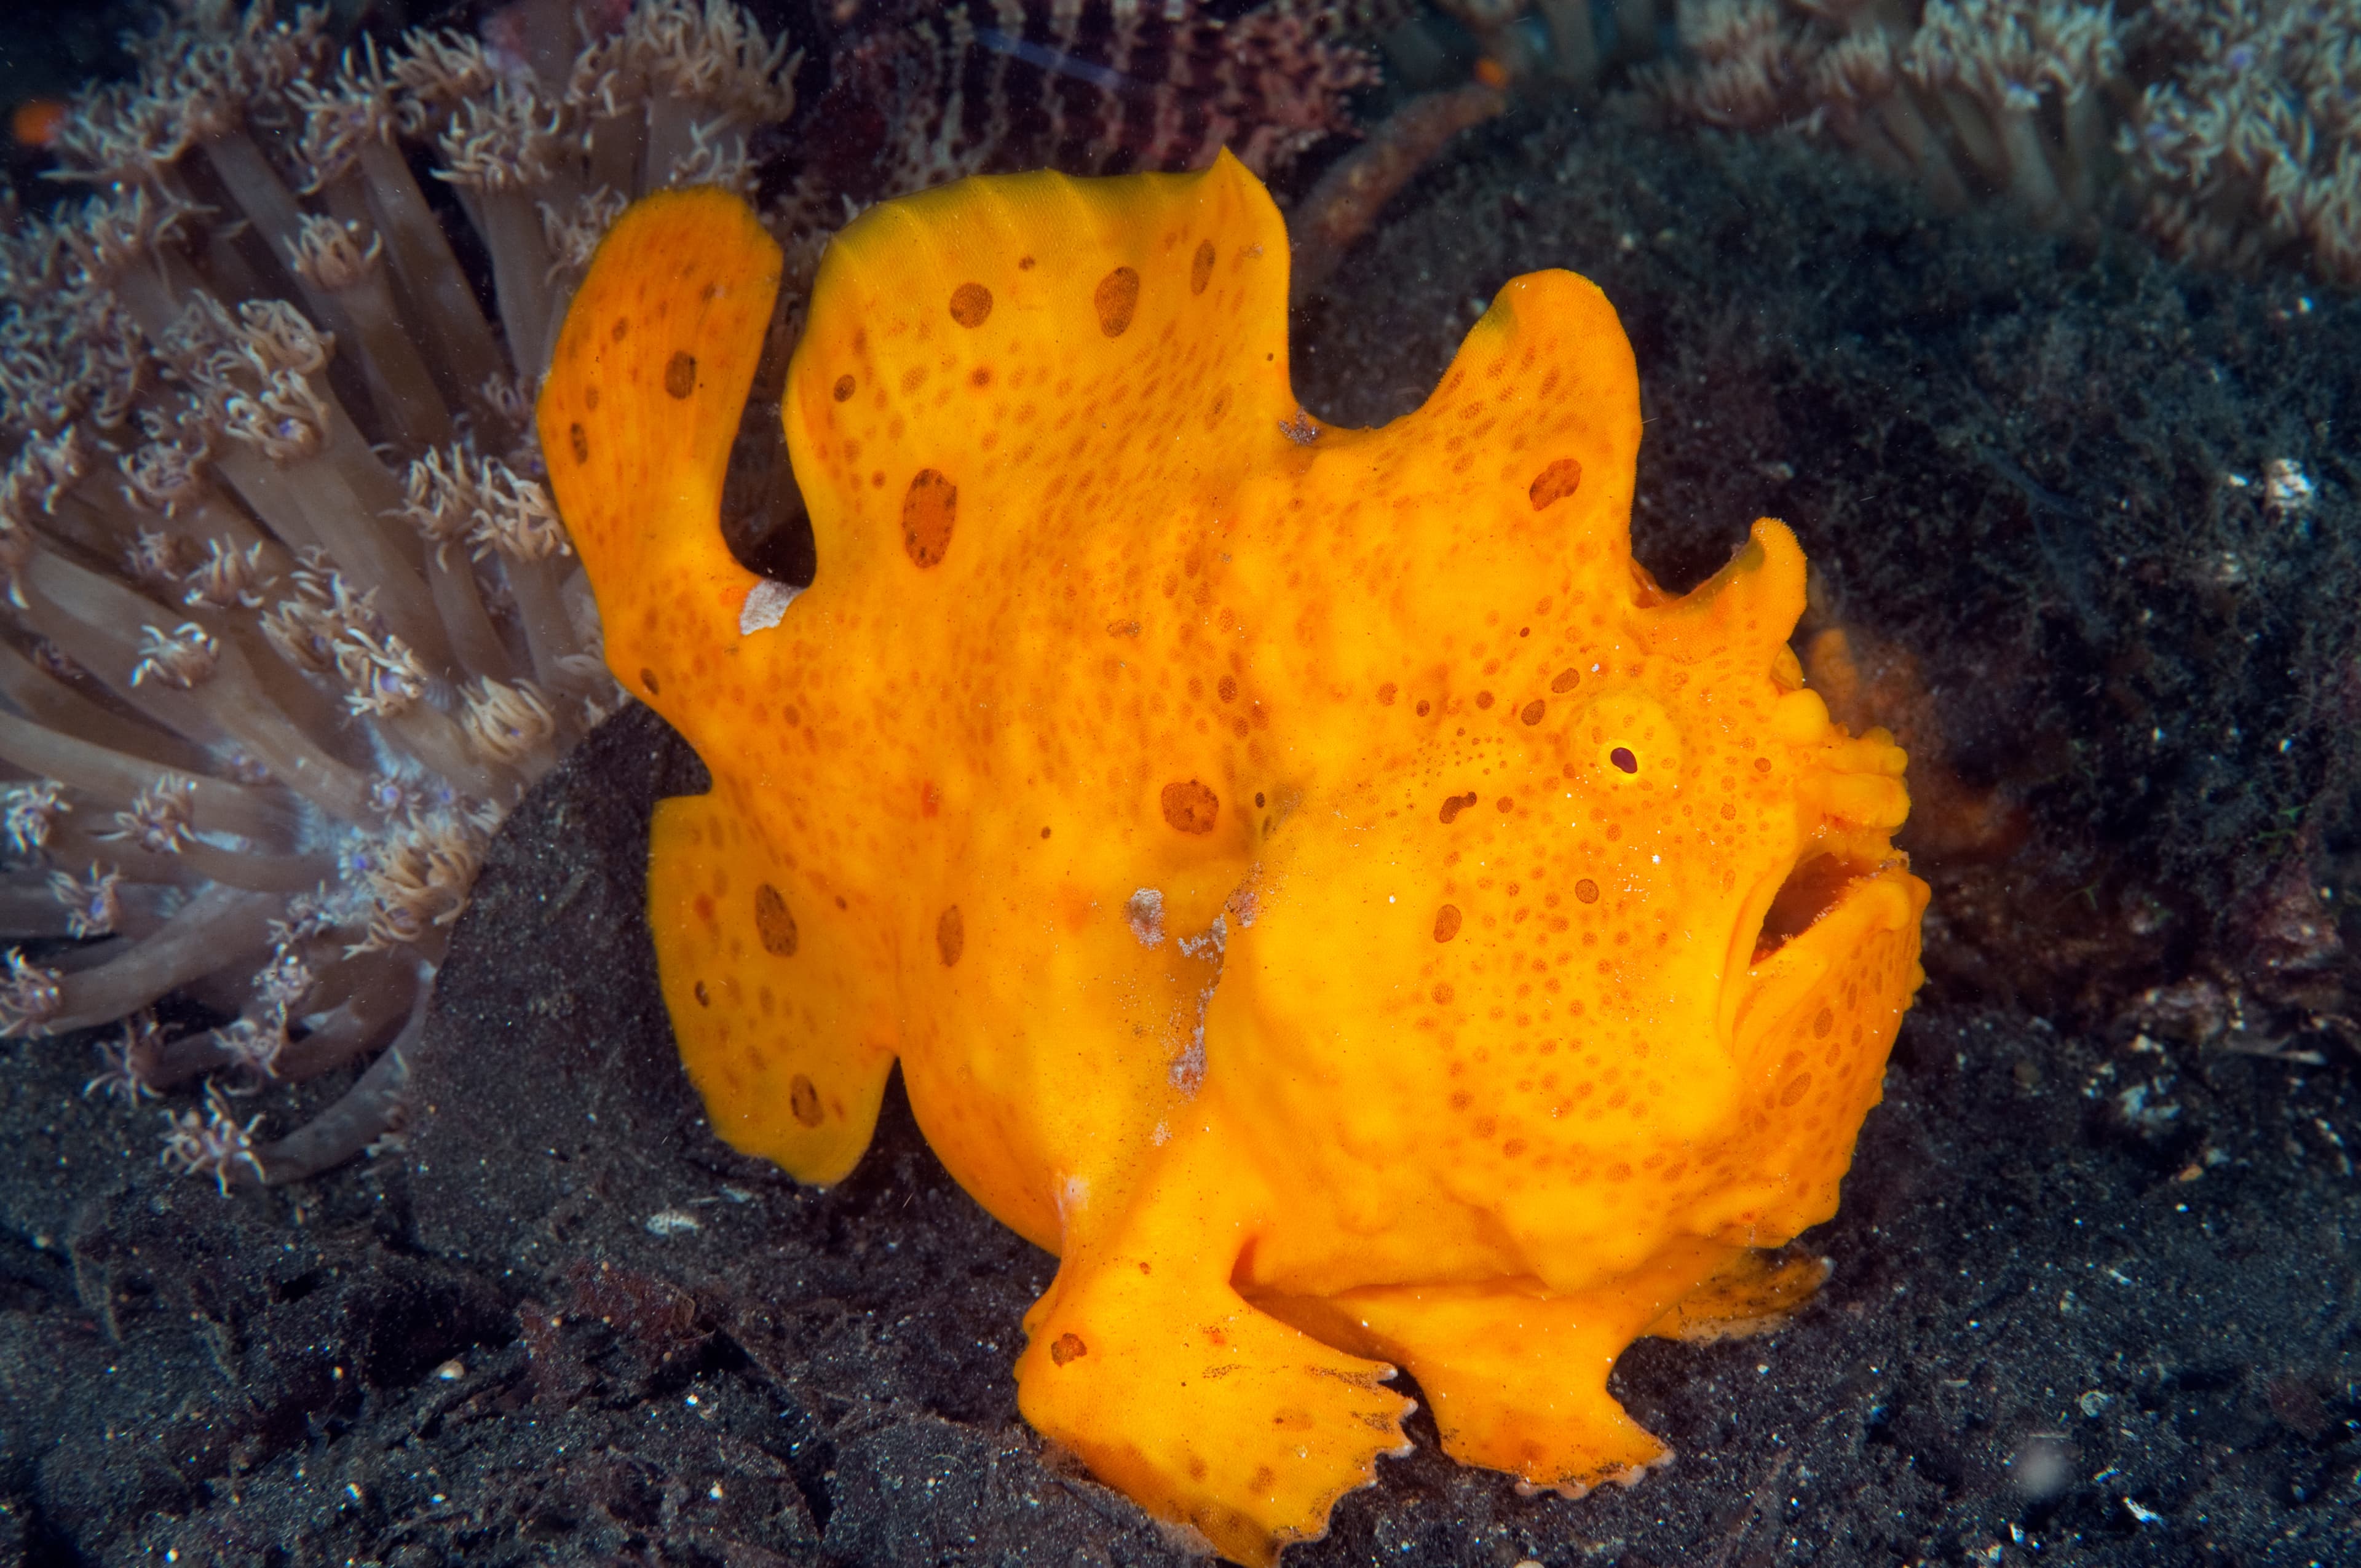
(2094, 1297)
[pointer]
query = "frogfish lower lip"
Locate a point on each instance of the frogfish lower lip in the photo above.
(1842, 931)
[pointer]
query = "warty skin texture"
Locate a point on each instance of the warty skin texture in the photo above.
(1314, 882)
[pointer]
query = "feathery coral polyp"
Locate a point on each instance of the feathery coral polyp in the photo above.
(292, 624)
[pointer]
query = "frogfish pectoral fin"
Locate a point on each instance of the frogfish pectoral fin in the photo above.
(779, 1014)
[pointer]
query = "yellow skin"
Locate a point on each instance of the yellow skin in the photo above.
(1314, 882)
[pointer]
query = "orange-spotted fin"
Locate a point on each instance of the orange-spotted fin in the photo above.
(953, 334)
(769, 1003)
(637, 417)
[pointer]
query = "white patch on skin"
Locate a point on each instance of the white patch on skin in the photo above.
(1189, 1067)
(1216, 936)
(1144, 910)
(1244, 903)
(1073, 1196)
(766, 601)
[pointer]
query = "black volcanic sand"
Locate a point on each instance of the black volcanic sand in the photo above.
(2095, 1297)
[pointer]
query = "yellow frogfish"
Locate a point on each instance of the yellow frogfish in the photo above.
(1315, 883)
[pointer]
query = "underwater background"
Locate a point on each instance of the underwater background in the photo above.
(2036, 322)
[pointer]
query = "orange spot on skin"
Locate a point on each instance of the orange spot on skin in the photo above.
(1201, 266)
(1190, 808)
(774, 924)
(929, 509)
(1185, 1025)
(803, 1099)
(1075, 906)
(1116, 299)
(1554, 483)
(970, 305)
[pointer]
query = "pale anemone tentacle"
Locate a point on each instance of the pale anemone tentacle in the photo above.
(290, 623)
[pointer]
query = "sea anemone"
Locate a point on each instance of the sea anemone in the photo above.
(290, 622)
